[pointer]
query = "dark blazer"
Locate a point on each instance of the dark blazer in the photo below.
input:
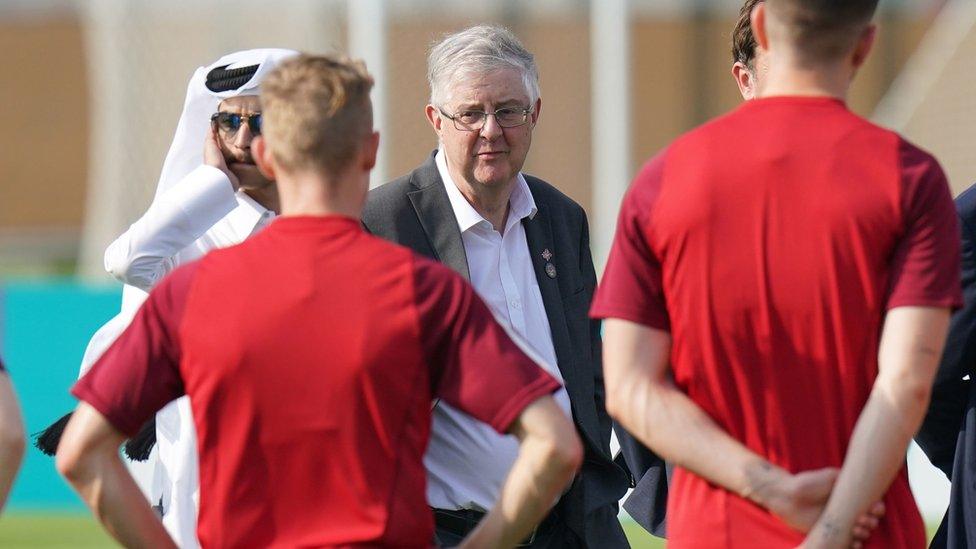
(948, 434)
(416, 212)
(647, 504)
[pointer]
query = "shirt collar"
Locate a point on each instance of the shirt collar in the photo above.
(521, 202)
(248, 214)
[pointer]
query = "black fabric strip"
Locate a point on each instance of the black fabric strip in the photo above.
(222, 79)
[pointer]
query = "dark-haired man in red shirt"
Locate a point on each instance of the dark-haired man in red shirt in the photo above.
(777, 300)
(311, 354)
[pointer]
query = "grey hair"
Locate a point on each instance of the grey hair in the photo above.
(479, 49)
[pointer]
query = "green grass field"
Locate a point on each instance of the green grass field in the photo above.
(78, 531)
(52, 530)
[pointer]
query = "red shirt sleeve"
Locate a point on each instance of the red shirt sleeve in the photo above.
(474, 365)
(139, 373)
(925, 268)
(632, 288)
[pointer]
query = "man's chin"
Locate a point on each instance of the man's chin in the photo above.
(250, 176)
(258, 183)
(493, 178)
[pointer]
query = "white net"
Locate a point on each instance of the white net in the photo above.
(933, 102)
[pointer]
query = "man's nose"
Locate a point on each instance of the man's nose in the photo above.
(243, 137)
(491, 130)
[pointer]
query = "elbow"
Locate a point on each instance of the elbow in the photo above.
(128, 270)
(619, 395)
(614, 399)
(916, 395)
(907, 397)
(565, 454)
(70, 460)
(116, 267)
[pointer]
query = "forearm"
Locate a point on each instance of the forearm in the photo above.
(109, 490)
(910, 349)
(88, 458)
(539, 475)
(875, 455)
(674, 427)
(173, 222)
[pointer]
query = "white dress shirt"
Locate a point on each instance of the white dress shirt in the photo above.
(467, 461)
(198, 214)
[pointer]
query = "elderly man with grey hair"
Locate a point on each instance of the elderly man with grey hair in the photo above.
(525, 248)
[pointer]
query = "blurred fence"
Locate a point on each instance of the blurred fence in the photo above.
(933, 101)
(99, 85)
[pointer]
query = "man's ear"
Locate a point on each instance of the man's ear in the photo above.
(865, 43)
(370, 150)
(537, 108)
(745, 80)
(263, 157)
(757, 20)
(434, 117)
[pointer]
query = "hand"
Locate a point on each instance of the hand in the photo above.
(866, 524)
(863, 527)
(800, 499)
(213, 156)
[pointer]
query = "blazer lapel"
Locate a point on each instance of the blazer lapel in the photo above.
(437, 217)
(538, 236)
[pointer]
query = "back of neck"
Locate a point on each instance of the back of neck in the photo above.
(315, 196)
(785, 79)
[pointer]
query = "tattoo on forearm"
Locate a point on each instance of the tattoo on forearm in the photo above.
(830, 531)
(758, 480)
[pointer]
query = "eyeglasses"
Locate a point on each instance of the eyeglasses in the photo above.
(230, 122)
(472, 121)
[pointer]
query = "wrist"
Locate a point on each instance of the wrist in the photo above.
(829, 533)
(766, 485)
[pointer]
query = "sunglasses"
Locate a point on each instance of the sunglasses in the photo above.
(230, 122)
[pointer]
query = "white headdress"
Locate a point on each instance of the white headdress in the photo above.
(186, 154)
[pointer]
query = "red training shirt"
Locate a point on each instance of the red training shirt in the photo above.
(770, 243)
(311, 354)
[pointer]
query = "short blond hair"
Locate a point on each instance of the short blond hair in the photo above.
(316, 112)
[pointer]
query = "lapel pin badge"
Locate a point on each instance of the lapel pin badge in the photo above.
(550, 268)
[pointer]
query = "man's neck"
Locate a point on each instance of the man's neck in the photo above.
(786, 79)
(309, 194)
(267, 197)
(492, 202)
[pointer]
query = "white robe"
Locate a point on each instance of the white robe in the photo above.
(199, 214)
(195, 210)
